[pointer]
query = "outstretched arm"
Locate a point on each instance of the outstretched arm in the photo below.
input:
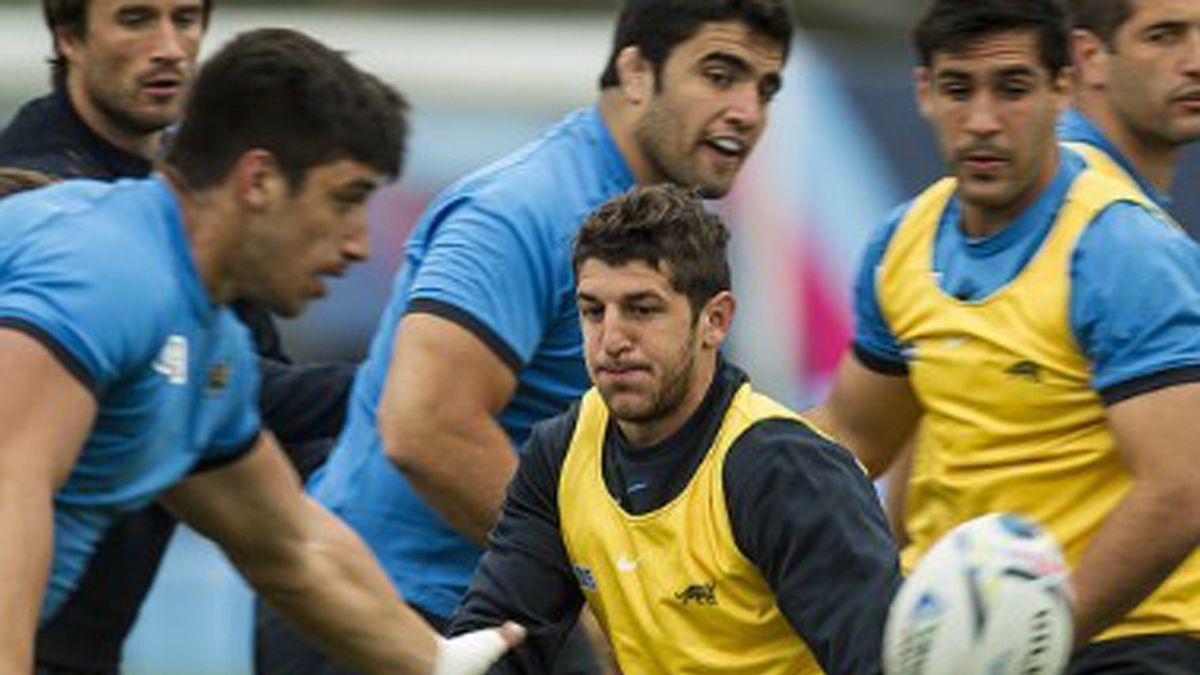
(526, 573)
(313, 568)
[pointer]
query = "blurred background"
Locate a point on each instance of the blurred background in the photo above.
(844, 145)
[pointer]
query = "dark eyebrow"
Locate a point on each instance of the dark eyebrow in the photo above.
(950, 74)
(1017, 71)
(135, 10)
(1174, 25)
(732, 60)
(642, 296)
(355, 190)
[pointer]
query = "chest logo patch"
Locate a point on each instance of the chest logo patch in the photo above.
(172, 361)
(699, 594)
(1025, 370)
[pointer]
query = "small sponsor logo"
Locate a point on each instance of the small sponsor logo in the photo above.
(627, 564)
(587, 580)
(218, 377)
(1025, 370)
(700, 594)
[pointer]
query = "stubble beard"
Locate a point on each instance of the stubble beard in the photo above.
(112, 105)
(676, 384)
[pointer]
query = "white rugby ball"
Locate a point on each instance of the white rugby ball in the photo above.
(989, 598)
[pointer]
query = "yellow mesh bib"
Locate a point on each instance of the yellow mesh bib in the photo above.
(670, 587)
(1011, 422)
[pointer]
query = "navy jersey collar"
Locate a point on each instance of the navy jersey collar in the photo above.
(1074, 126)
(119, 163)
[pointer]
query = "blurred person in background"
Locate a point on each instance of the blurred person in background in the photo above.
(127, 378)
(1137, 88)
(709, 529)
(481, 338)
(121, 72)
(1037, 319)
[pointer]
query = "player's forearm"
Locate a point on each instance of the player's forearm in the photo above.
(459, 467)
(26, 533)
(331, 586)
(1143, 540)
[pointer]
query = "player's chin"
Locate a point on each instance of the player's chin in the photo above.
(1186, 129)
(289, 306)
(716, 185)
(623, 403)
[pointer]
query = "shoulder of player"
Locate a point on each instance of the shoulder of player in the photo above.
(784, 447)
(548, 184)
(1130, 234)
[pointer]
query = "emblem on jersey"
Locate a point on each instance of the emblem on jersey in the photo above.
(172, 361)
(218, 377)
(1025, 370)
(627, 564)
(700, 594)
(587, 580)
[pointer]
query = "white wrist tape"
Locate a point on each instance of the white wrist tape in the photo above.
(469, 654)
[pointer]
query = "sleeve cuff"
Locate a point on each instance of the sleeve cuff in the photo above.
(471, 324)
(878, 364)
(63, 355)
(1146, 384)
(235, 453)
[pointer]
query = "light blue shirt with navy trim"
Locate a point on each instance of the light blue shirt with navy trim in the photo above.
(101, 274)
(1135, 282)
(1076, 127)
(493, 254)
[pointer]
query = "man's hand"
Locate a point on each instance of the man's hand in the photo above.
(473, 653)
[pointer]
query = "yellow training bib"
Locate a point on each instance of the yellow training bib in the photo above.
(1011, 422)
(670, 587)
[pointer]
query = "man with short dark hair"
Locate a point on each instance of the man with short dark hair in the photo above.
(128, 379)
(121, 72)
(480, 339)
(1137, 88)
(710, 529)
(1037, 319)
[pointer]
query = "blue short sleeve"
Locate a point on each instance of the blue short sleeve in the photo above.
(1135, 301)
(78, 299)
(874, 342)
(496, 273)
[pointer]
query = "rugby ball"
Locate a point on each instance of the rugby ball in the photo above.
(989, 598)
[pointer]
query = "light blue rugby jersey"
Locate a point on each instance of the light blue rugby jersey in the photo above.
(493, 253)
(1135, 286)
(101, 274)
